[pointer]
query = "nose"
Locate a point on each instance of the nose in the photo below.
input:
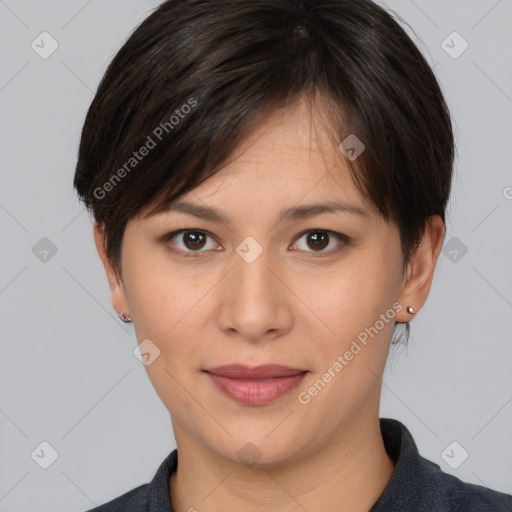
(255, 301)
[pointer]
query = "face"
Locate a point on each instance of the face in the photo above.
(317, 291)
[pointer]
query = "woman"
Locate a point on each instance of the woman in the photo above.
(269, 181)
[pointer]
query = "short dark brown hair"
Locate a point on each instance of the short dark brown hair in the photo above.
(197, 75)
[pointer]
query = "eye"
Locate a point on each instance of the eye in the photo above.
(318, 240)
(189, 241)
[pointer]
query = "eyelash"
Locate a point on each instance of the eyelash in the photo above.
(312, 254)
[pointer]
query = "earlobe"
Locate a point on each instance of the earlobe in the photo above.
(420, 271)
(119, 302)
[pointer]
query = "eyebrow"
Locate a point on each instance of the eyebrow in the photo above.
(293, 213)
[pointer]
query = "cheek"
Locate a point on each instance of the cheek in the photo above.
(167, 307)
(352, 297)
(155, 291)
(151, 302)
(350, 303)
(161, 303)
(356, 343)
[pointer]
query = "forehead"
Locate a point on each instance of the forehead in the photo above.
(288, 167)
(293, 155)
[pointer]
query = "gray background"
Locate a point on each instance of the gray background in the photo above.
(68, 375)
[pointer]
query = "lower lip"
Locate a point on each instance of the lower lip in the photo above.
(256, 392)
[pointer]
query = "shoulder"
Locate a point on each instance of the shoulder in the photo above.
(421, 485)
(455, 495)
(131, 501)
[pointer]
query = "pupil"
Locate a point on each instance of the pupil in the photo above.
(318, 236)
(194, 240)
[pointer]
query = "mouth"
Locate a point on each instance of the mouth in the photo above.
(259, 385)
(267, 371)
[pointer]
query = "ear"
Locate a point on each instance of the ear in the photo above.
(119, 301)
(420, 270)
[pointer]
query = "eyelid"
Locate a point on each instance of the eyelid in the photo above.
(345, 240)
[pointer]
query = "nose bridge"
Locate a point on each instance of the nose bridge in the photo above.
(253, 279)
(255, 303)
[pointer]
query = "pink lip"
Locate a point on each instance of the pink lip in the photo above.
(255, 386)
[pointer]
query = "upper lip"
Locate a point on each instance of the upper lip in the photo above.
(240, 371)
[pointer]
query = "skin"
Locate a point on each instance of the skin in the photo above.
(290, 306)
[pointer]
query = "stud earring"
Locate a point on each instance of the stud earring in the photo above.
(410, 310)
(124, 317)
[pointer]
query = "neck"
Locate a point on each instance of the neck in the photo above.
(349, 474)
